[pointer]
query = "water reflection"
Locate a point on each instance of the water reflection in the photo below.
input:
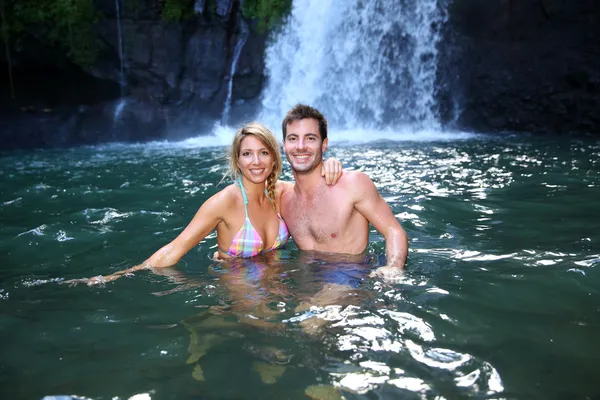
(500, 291)
(357, 339)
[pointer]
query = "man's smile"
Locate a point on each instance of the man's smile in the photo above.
(301, 156)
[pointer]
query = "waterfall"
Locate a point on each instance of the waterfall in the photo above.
(243, 36)
(121, 103)
(367, 64)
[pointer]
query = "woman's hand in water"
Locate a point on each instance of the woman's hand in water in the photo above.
(96, 280)
(102, 280)
(331, 170)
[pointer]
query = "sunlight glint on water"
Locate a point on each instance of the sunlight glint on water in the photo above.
(494, 292)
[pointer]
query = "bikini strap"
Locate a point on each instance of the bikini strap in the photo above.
(244, 196)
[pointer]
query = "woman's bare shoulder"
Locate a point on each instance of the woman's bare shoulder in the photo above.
(226, 198)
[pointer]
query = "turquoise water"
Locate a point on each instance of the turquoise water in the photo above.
(501, 298)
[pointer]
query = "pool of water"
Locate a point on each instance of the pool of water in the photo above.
(501, 297)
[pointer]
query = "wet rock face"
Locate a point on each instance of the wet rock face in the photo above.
(181, 66)
(223, 7)
(524, 65)
(175, 77)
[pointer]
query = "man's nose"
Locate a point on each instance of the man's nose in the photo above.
(301, 143)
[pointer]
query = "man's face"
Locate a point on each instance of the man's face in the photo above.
(303, 146)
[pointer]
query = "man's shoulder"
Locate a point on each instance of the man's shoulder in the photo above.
(354, 179)
(283, 187)
(356, 186)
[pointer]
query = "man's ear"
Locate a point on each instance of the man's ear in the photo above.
(324, 145)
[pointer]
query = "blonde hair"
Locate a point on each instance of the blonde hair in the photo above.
(267, 138)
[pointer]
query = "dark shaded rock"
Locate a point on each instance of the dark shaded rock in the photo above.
(127, 120)
(199, 6)
(223, 7)
(174, 74)
(250, 76)
(528, 65)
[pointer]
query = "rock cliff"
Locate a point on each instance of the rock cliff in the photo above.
(169, 78)
(523, 65)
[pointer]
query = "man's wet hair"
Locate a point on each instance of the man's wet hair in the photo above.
(302, 111)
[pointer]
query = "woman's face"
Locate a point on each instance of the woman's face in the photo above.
(255, 161)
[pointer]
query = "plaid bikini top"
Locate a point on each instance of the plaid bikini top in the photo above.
(247, 242)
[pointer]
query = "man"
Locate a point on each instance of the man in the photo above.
(333, 218)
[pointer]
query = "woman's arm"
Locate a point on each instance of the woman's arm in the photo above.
(204, 222)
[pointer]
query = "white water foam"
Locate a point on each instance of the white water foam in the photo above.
(364, 64)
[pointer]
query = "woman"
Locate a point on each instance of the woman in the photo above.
(244, 213)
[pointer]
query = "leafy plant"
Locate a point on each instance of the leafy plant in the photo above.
(66, 24)
(177, 10)
(267, 13)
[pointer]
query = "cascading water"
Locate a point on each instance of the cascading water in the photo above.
(121, 103)
(243, 36)
(364, 64)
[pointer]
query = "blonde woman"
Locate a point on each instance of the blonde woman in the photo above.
(244, 213)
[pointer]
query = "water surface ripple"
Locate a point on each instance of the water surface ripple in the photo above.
(501, 298)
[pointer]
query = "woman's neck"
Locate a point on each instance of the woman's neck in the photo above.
(254, 191)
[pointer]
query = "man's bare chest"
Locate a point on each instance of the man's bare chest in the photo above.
(319, 219)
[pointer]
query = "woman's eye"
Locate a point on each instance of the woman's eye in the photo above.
(265, 153)
(245, 154)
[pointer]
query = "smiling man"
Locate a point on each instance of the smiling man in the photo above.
(334, 219)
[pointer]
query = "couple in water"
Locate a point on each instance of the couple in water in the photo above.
(258, 213)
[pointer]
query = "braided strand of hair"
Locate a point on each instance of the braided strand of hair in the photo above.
(271, 180)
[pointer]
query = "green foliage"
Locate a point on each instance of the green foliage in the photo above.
(267, 13)
(67, 24)
(177, 10)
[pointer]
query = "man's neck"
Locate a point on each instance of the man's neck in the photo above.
(307, 183)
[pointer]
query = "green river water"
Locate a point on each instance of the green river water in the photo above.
(501, 297)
